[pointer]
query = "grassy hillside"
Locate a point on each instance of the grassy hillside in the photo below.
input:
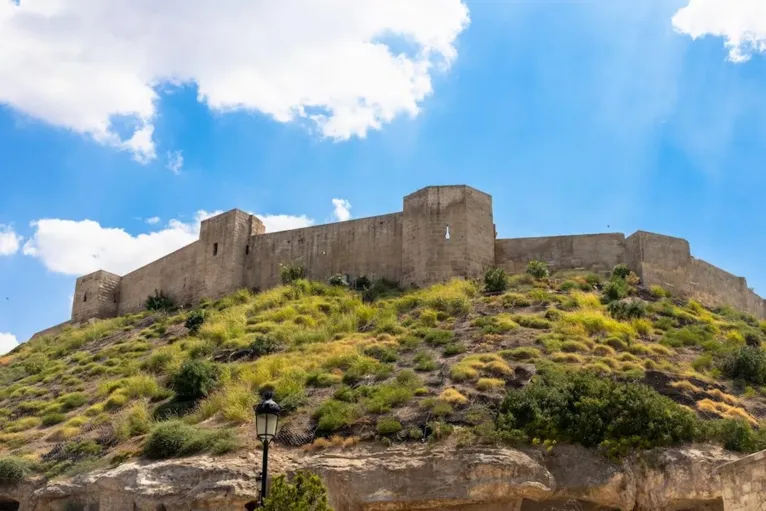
(542, 359)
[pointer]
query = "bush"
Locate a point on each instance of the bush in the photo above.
(538, 269)
(362, 283)
(748, 364)
(596, 412)
(333, 415)
(289, 273)
(196, 379)
(133, 422)
(49, 419)
(388, 426)
(616, 290)
(13, 469)
(621, 271)
(194, 321)
(159, 302)
(265, 345)
(338, 281)
(304, 493)
(176, 438)
(627, 309)
(495, 280)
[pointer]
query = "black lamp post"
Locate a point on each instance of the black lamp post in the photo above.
(266, 421)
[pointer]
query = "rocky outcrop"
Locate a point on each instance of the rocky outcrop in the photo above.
(403, 477)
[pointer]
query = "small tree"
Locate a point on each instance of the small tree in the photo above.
(194, 321)
(495, 280)
(291, 272)
(159, 302)
(538, 269)
(304, 493)
(362, 283)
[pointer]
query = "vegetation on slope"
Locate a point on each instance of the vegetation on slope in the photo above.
(529, 358)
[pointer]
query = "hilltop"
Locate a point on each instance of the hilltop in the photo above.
(528, 359)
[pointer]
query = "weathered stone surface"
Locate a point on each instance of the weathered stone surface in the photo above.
(404, 477)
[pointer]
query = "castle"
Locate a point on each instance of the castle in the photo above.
(442, 232)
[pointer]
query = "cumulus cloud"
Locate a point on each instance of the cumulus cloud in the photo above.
(153, 220)
(78, 247)
(741, 23)
(175, 161)
(342, 210)
(7, 342)
(9, 240)
(95, 67)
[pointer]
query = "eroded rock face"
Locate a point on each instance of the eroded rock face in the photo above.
(405, 477)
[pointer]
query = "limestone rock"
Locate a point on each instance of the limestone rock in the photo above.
(403, 477)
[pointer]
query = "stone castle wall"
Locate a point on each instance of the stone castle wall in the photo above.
(443, 232)
(744, 483)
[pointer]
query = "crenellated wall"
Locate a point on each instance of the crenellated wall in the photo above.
(443, 232)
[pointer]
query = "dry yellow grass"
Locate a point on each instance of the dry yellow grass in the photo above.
(453, 397)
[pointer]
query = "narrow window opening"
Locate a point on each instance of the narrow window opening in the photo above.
(215, 249)
(446, 236)
(247, 249)
(85, 297)
(115, 298)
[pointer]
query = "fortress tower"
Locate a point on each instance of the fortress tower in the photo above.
(443, 232)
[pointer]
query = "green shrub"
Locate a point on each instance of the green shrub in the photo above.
(333, 415)
(159, 301)
(49, 419)
(495, 280)
(621, 271)
(747, 364)
(381, 352)
(388, 426)
(35, 363)
(157, 362)
(196, 379)
(133, 422)
(529, 321)
(289, 273)
(175, 438)
(338, 281)
(736, 435)
(72, 400)
(615, 290)
(584, 408)
(304, 493)
(627, 309)
(12, 469)
(538, 269)
(195, 320)
(362, 283)
(265, 345)
(452, 349)
(424, 362)
(694, 335)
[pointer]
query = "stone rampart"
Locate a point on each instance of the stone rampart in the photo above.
(744, 483)
(442, 232)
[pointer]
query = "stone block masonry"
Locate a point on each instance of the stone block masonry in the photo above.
(442, 232)
(744, 483)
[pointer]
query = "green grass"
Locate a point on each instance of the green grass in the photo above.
(352, 360)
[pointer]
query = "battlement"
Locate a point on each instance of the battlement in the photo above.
(442, 232)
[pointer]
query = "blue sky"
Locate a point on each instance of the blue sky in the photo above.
(577, 117)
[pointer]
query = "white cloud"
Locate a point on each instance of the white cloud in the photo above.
(276, 223)
(175, 161)
(342, 210)
(87, 64)
(153, 220)
(7, 342)
(75, 247)
(742, 23)
(9, 240)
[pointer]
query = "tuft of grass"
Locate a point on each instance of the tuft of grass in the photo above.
(333, 415)
(388, 426)
(487, 384)
(175, 438)
(453, 397)
(522, 353)
(133, 421)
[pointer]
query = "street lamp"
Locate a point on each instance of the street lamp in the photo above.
(266, 421)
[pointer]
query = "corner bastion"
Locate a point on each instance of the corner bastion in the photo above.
(441, 233)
